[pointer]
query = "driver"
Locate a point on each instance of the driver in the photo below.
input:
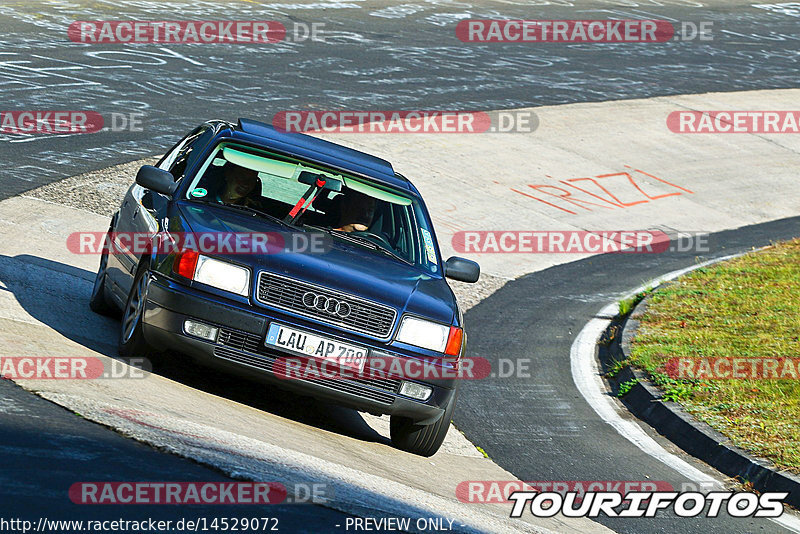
(240, 184)
(358, 210)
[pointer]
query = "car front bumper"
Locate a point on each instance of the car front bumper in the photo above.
(239, 348)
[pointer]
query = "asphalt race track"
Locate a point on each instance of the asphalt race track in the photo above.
(44, 446)
(376, 55)
(541, 428)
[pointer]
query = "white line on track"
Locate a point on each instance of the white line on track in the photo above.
(588, 380)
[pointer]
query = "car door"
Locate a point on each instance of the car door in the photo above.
(142, 212)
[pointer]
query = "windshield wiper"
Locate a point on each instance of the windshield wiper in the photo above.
(347, 236)
(256, 211)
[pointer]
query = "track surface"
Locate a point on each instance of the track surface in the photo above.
(44, 446)
(541, 428)
(376, 56)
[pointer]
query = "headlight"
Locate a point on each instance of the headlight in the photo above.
(222, 275)
(421, 333)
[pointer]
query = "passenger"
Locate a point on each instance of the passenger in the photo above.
(358, 210)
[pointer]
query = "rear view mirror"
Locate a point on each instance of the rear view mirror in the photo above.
(310, 178)
(462, 269)
(156, 179)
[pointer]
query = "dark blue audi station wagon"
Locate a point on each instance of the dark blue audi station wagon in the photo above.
(372, 297)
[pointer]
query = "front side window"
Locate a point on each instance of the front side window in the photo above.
(184, 154)
(312, 198)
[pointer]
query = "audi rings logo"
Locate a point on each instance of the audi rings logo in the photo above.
(325, 304)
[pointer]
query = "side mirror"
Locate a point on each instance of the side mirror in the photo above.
(156, 179)
(462, 269)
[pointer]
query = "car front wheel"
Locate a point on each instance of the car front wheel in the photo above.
(424, 440)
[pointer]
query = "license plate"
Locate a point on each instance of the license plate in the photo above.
(342, 354)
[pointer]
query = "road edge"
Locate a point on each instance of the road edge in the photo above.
(588, 379)
(699, 439)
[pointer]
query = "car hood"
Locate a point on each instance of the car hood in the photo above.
(344, 266)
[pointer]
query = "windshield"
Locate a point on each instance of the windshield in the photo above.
(313, 198)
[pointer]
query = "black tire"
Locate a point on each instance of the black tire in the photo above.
(424, 440)
(100, 301)
(131, 338)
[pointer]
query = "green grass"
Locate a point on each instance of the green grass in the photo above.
(745, 307)
(625, 387)
(627, 305)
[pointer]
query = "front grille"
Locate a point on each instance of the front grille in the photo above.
(233, 345)
(365, 316)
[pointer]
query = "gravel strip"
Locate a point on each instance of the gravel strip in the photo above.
(97, 191)
(102, 191)
(469, 295)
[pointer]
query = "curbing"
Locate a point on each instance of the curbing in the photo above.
(694, 437)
